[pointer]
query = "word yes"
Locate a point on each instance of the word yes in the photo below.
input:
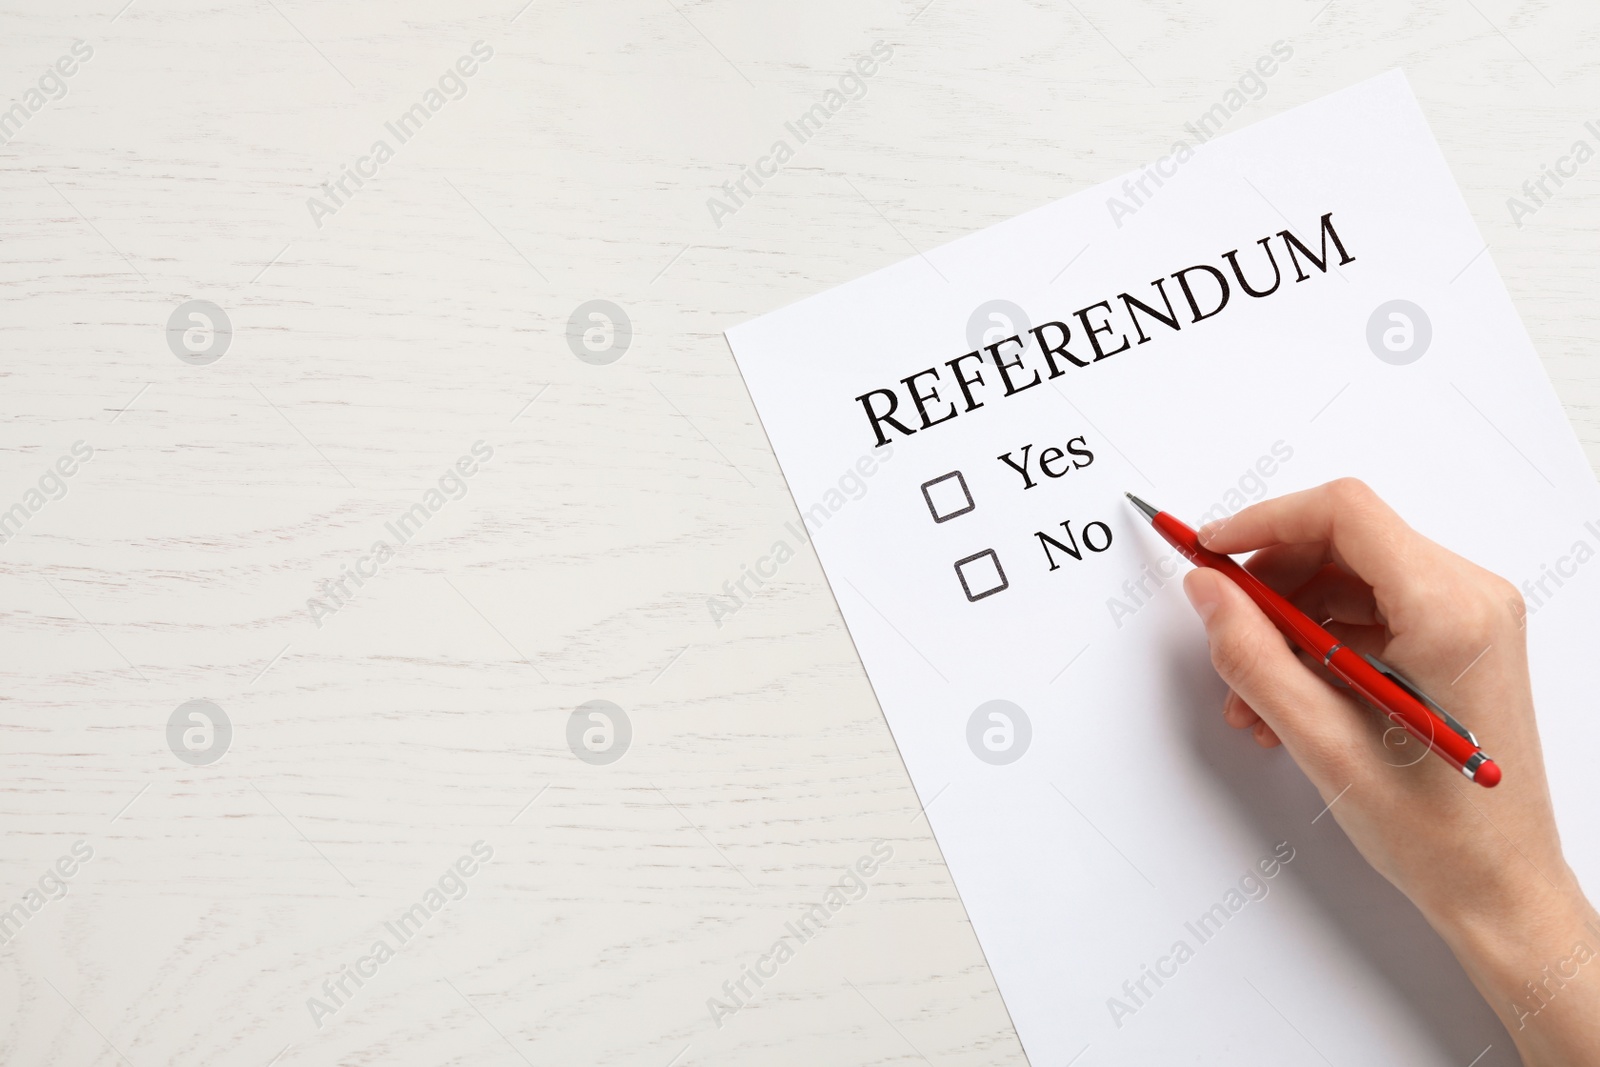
(1047, 460)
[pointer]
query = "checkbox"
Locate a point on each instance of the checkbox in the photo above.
(981, 575)
(947, 496)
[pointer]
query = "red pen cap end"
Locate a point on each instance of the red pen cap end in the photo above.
(1488, 774)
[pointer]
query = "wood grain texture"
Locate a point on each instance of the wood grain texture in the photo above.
(430, 312)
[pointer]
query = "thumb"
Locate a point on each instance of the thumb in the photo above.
(1321, 728)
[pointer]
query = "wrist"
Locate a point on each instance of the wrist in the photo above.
(1523, 950)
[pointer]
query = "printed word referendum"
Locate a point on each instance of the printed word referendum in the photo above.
(1104, 331)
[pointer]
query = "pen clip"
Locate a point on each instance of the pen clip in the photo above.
(1405, 683)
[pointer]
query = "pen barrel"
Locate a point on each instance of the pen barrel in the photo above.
(1405, 710)
(1290, 620)
(1372, 685)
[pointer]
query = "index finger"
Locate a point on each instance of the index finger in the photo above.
(1346, 514)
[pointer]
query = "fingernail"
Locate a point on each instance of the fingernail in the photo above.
(1208, 531)
(1202, 596)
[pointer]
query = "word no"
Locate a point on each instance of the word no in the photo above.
(1092, 532)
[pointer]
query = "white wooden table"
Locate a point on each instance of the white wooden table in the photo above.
(377, 338)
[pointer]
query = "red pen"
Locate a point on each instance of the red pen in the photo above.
(1375, 681)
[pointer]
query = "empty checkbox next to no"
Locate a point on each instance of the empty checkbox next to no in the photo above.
(981, 575)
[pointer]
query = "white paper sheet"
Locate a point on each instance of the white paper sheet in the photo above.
(1133, 809)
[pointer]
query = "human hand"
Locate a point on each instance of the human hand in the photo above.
(1484, 866)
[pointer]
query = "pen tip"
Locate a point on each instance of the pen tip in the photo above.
(1147, 510)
